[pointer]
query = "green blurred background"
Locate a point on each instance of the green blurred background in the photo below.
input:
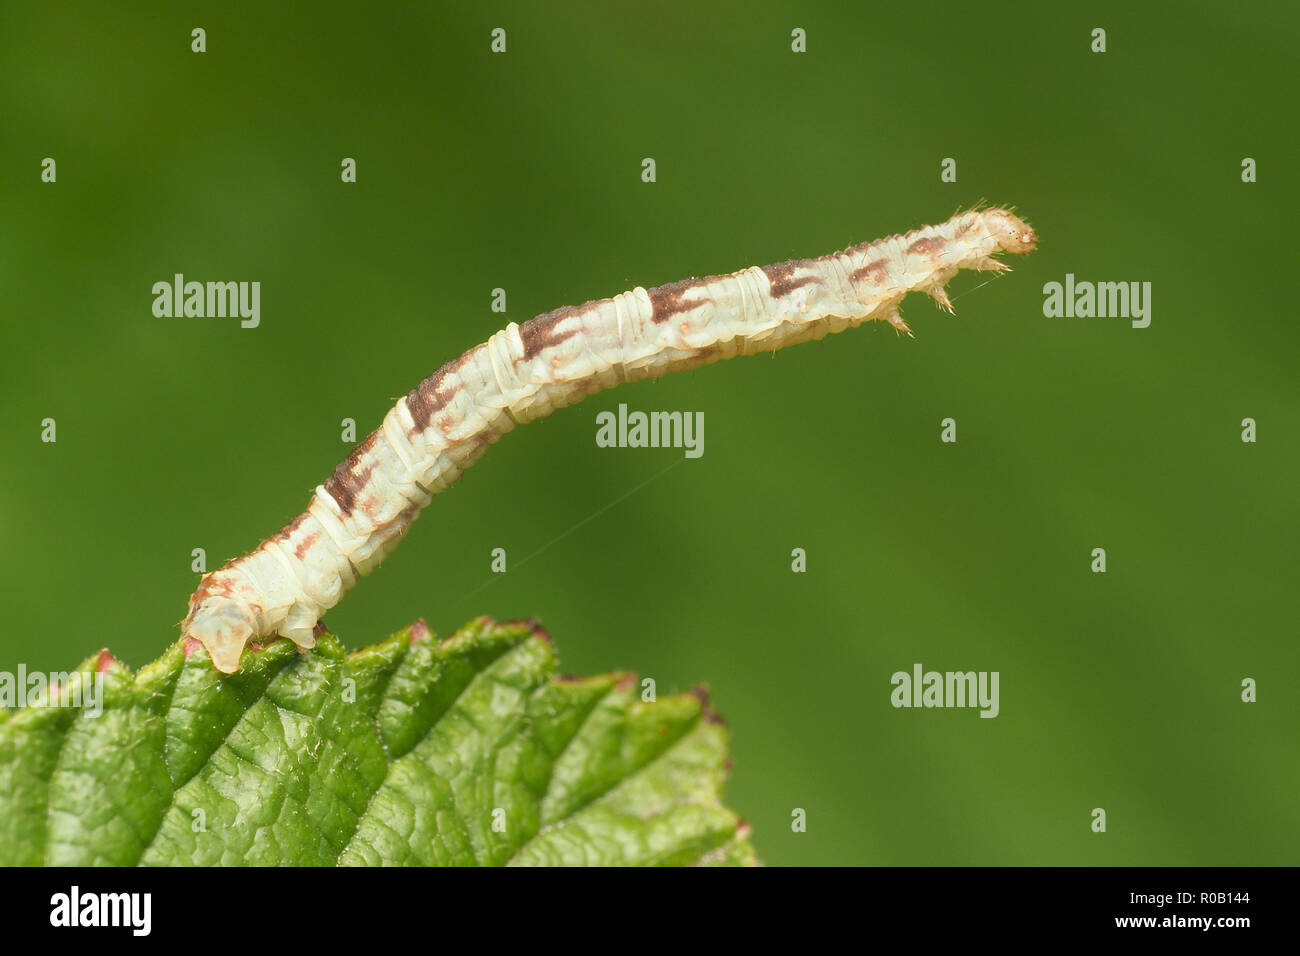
(522, 171)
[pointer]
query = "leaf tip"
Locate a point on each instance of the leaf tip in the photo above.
(707, 713)
(419, 630)
(535, 628)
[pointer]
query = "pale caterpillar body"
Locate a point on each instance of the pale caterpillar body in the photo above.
(523, 372)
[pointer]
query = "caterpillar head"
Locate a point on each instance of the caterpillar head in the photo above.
(1011, 232)
(223, 625)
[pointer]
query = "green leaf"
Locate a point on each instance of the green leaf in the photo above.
(411, 752)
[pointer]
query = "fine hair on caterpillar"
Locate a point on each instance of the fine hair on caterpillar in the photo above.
(524, 372)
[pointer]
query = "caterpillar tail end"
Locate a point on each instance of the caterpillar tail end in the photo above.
(222, 626)
(225, 655)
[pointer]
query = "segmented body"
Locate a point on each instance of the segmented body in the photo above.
(523, 372)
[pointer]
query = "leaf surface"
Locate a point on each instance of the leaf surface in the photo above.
(468, 751)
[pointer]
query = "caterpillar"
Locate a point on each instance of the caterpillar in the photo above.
(524, 372)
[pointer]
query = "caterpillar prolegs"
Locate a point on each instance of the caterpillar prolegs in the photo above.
(524, 372)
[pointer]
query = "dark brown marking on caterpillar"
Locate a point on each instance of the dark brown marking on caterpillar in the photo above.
(875, 272)
(215, 585)
(284, 533)
(305, 545)
(668, 300)
(539, 334)
(781, 277)
(397, 525)
(923, 247)
(427, 399)
(350, 477)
